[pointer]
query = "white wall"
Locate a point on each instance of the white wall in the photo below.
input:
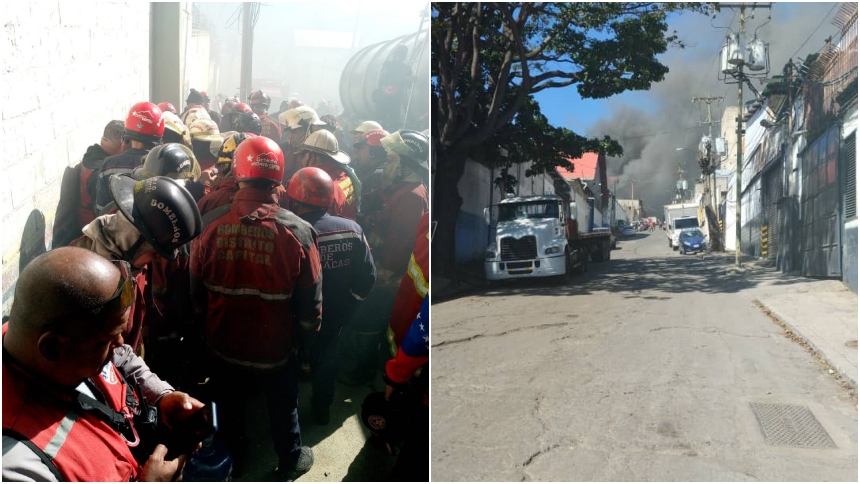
(68, 70)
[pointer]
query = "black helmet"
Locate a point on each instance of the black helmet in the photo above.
(385, 419)
(172, 160)
(247, 123)
(412, 146)
(162, 210)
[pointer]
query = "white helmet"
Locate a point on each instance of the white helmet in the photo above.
(194, 114)
(173, 123)
(325, 143)
(205, 130)
(294, 117)
(366, 126)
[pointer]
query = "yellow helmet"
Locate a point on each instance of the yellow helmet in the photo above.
(225, 154)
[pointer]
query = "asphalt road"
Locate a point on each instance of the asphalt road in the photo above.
(644, 369)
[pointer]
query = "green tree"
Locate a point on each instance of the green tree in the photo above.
(489, 59)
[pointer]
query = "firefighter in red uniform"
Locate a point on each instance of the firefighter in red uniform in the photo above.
(413, 286)
(256, 283)
(225, 186)
(301, 121)
(68, 379)
(144, 127)
(259, 102)
(397, 210)
(110, 145)
(320, 150)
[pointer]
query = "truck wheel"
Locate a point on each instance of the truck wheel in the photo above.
(602, 252)
(607, 252)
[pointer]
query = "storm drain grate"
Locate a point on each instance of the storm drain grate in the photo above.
(791, 426)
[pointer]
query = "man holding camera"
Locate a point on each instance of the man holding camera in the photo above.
(69, 407)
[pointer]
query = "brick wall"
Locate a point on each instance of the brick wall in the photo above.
(67, 71)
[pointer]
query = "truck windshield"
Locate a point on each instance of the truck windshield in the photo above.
(515, 211)
(686, 223)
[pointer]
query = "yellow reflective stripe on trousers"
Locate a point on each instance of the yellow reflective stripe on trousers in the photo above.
(59, 438)
(417, 276)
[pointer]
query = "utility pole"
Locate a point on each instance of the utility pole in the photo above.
(739, 76)
(247, 51)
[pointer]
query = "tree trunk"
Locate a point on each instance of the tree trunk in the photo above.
(446, 210)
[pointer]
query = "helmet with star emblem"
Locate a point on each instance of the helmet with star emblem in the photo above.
(258, 158)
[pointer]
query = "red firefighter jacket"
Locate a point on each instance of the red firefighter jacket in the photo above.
(413, 286)
(259, 268)
(271, 128)
(402, 209)
(225, 191)
(82, 446)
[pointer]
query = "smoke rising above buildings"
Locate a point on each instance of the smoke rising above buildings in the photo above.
(652, 125)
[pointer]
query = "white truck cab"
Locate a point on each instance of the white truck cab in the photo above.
(530, 238)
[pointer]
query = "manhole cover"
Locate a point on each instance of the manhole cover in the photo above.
(851, 344)
(791, 426)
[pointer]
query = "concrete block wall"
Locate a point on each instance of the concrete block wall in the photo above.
(68, 70)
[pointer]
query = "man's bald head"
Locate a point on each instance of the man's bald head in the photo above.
(63, 281)
(59, 328)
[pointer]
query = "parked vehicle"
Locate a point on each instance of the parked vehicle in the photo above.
(691, 241)
(676, 211)
(542, 236)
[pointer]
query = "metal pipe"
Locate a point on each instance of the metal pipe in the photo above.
(740, 154)
(247, 51)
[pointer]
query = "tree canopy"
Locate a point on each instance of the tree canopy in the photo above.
(490, 59)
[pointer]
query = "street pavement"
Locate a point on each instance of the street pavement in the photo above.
(652, 366)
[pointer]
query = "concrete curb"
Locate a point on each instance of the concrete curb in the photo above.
(834, 362)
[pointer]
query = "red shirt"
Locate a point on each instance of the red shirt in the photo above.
(259, 265)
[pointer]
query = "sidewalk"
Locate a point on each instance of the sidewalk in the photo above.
(825, 319)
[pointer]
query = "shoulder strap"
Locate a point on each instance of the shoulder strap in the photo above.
(214, 214)
(302, 230)
(36, 450)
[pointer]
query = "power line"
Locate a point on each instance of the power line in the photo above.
(814, 31)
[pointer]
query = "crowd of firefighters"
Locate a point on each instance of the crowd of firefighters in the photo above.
(253, 251)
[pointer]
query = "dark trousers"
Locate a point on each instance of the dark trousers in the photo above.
(231, 388)
(325, 358)
(366, 331)
(413, 462)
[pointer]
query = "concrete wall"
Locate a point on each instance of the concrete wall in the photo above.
(849, 237)
(74, 70)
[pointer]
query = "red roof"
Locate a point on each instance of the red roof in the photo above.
(585, 168)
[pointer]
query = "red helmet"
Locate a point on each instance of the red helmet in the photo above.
(166, 106)
(227, 106)
(205, 97)
(259, 97)
(241, 108)
(144, 122)
(371, 137)
(295, 103)
(258, 158)
(312, 186)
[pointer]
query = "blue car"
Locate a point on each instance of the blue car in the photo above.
(692, 241)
